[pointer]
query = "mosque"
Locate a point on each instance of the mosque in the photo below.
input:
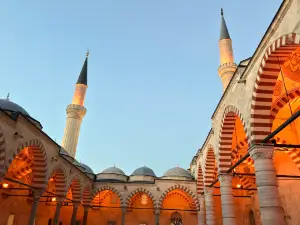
(245, 173)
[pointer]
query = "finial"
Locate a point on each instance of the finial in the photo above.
(7, 97)
(222, 13)
(177, 165)
(115, 165)
(87, 53)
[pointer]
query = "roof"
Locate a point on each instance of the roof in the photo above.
(87, 168)
(82, 79)
(224, 34)
(143, 171)
(8, 105)
(177, 172)
(113, 170)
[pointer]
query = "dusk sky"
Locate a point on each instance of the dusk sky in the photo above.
(152, 75)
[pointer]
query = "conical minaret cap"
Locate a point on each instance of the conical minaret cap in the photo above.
(82, 79)
(224, 34)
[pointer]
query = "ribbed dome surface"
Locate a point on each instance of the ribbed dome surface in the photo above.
(143, 171)
(113, 170)
(5, 104)
(177, 172)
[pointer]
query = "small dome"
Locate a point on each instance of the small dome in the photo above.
(87, 168)
(113, 170)
(143, 171)
(177, 172)
(5, 104)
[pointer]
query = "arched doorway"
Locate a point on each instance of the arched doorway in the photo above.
(176, 219)
(251, 218)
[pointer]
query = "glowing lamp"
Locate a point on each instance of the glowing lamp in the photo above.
(144, 200)
(53, 199)
(238, 185)
(5, 185)
(51, 179)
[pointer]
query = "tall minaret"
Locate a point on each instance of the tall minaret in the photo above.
(227, 65)
(75, 112)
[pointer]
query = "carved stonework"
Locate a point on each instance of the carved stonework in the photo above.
(225, 178)
(261, 152)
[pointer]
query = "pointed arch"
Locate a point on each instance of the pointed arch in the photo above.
(231, 113)
(275, 55)
(59, 178)
(129, 200)
(200, 181)
(87, 196)
(2, 154)
(182, 188)
(210, 164)
(39, 162)
(75, 187)
(292, 153)
(109, 188)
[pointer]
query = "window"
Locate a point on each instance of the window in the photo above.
(50, 222)
(11, 219)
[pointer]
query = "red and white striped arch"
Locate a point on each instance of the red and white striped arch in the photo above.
(292, 152)
(87, 196)
(275, 55)
(60, 182)
(108, 188)
(130, 199)
(39, 162)
(75, 187)
(225, 144)
(210, 164)
(236, 155)
(2, 155)
(200, 181)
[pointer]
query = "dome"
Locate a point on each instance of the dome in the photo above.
(86, 168)
(143, 171)
(177, 172)
(5, 104)
(113, 170)
(63, 151)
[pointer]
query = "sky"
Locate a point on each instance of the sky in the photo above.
(152, 75)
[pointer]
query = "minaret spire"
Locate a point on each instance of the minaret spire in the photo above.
(227, 65)
(76, 111)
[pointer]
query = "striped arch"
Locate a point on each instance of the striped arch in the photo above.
(200, 181)
(2, 155)
(261, 116)
(235, 156)
(182, 188)
(130, 199)
(247, 183)
(292, 153)
(225, 143)
(281, 102)
(87, 196)
(75, 187)
(210, 164)
(59, 178)
(108, 188)
(39, 162)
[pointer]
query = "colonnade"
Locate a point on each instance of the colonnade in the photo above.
(271, 210)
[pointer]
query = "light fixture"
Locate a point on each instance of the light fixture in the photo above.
(5, 185)
(53, 199)
(144, 199)
(238, 185)
(51, 179)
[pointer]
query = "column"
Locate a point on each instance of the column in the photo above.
(201, 213)
(209, 203)
(269, 200)
(85, 215)
(123, 215)
(57, 212)
(75, 209)
(36, 197)
(157, 217)
(228, 211)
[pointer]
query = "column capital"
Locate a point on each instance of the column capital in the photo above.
(225, 177)
(157, 211)
(261, 151)
(36, 195)
(124, 208)
(76, 204)
(86, 207)
(208, 190)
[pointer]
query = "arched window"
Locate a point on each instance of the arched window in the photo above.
(176, 219)
(251, 218)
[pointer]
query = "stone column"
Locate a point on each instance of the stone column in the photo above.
(228, 211)
(157, 217)
(123, 215)
(201, 213)
(57, 212)
(85, 215)
(269, 200)
(74, 214)
(209, 203)
(36, 198)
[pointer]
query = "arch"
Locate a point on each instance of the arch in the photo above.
(2, 155)
(108, 188)
(210, 163)
(292, 153)
(129, 200)
(235, 156)
(39, 162)
(75, 187)
(87, 196)
(59, 179)
(270, 66)
(182, 188)
(200, 181)
(225, 140)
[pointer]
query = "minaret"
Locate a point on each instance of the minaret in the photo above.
(75, 112)
(227, 65)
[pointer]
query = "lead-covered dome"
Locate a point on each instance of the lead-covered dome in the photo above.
(113, 170)
(112, 174)
(177, 173)
(87, 169)
(143, 171)
(8, 105)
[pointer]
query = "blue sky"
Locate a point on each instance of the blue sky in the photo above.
(153, 81)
